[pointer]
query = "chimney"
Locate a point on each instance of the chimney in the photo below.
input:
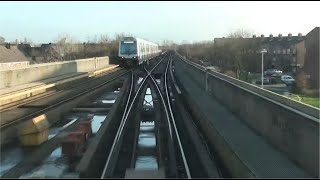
(280, 35)
(262, 35)
(290, 35)
(300, 34)
(254, 36)
(271, 35)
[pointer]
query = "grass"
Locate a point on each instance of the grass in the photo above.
(313, 101)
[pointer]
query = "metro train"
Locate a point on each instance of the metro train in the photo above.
(134, 51)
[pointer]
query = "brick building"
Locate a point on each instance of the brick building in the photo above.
(311, 57)
(288, 53)
(281, 50)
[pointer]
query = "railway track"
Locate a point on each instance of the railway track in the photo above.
(170, 160)
(52, 90)
(150, 138)
(98, 83)
(131, 100)
(183, 167)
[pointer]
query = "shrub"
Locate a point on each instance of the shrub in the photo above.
(311, 92)
(230, 73)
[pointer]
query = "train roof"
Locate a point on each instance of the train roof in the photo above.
(138, 39)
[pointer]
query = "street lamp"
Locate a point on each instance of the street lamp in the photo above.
(206, 78)
(262, 51)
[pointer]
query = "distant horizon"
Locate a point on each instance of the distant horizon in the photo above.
(45, 22)
(161, 43)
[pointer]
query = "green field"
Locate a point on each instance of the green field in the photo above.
(313, 101)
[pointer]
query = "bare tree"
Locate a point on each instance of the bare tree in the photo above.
(229, 55)
(241, 33)
(95, 39)
(65, 45)
(118, 36)
(27, 41)
(104, 39)
(2, 40)
(233, 51)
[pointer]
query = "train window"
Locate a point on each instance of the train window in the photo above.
(128, 48)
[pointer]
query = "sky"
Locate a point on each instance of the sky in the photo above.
(44, 22)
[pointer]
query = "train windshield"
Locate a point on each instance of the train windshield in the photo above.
(128, 47)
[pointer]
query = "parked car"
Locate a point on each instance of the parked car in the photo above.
(265, 81)
(288, 80)
(213, 68)
(273, 72)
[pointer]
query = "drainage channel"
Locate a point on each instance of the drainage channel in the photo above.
(146, 158)
(64, 158)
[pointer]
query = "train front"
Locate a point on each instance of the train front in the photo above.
(128, 52)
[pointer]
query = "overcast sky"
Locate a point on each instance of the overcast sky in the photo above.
(43, 22)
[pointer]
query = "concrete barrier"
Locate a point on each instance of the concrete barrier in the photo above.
(38, 72)
(12, 65)
(291, 127)
(200, 75)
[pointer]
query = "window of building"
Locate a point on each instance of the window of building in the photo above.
(288, 51)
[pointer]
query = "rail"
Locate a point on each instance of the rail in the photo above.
(125, 117)
(43, 110)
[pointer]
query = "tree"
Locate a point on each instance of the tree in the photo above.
(2, 40)
(95, 39)
(241, 33)
(65, 46)
(232, 54)
(236, 50)
(27, 41)
(104, 39)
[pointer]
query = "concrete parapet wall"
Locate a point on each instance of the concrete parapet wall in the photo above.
(290, 126)
(39, 72)
(11, 65)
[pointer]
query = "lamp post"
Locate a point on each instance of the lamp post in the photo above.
(206, 78)
(262, 51)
